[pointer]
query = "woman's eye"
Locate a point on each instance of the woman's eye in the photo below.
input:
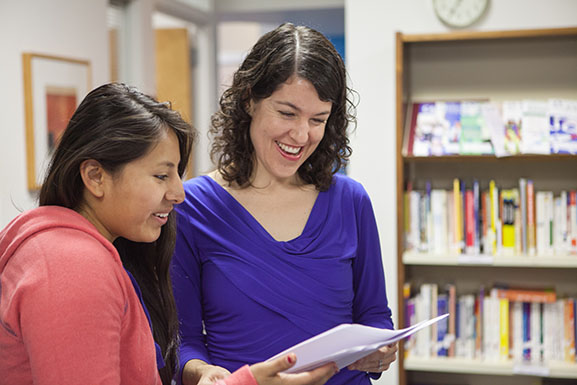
(161, 177)
(287, 114)
(319, 121)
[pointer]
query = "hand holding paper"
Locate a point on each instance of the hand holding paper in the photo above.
(347, 343)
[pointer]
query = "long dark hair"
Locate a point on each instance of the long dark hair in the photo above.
(116, 124)
(287, 50)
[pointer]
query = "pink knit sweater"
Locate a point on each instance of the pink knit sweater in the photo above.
(68, 311)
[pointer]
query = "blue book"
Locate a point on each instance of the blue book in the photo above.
(443, 325)
(526, 331)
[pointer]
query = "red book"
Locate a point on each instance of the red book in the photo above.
(527, 295)
(470, 221)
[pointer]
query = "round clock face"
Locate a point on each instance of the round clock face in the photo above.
(459, 13)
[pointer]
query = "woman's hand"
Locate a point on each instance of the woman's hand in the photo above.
(198, 372)
(378, 361)
(269, 373)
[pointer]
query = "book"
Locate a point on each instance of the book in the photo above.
(527, 295)
(503, 329)
(347, 343)
(536, 135)
(443, 341)
(512, 113)
(562, 115)
(531, 223)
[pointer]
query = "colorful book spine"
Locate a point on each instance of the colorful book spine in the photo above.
(443, 326)
(494, 194)
(458, 236)
(523, 208)
(503, 329)
(508, 219)
(470, 222)
(531, 221)
(573, 219)
(527, 295)
(452, 333)
(477, 217)
(569, 335)
(526, 331)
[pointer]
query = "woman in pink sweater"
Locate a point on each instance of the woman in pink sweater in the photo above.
(85, 293)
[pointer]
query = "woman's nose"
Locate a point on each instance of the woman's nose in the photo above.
(176, 192)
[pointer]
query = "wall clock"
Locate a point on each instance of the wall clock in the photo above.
(459, 13)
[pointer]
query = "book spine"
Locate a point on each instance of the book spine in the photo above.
(493, 191)
(470, 222)
(504, 329)
(517, 320)
(477, 217)
(442, 326)
(458, 216)
(452, 290)
(508, 218)
(522, 295)
(523, 208)
(531, 241)
(536, 333)
(526, 331)
(573, 218)
(569, 337)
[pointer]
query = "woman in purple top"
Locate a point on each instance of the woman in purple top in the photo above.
(274, 246)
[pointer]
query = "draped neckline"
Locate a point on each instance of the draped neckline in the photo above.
(312, 224)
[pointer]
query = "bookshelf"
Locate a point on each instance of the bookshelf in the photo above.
(495, 65)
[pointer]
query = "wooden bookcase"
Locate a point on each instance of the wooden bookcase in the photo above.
(495, 65)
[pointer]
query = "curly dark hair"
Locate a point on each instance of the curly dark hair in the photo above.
(286, 51)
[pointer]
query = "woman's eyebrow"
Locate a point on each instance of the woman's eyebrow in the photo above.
(289, 104)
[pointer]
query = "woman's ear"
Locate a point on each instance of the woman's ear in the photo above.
(93, 175)
(250, 107)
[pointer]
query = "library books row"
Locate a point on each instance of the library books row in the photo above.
(492, 222)
(491, 128)
(520, 325)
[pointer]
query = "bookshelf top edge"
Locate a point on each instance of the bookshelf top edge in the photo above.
(486, 35)
(489, 158)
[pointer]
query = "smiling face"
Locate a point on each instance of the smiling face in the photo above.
(286, 128)
(136, 201)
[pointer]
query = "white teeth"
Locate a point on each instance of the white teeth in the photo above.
(289, 149)
(161, 215)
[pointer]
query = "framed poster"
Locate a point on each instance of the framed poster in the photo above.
(53, 88)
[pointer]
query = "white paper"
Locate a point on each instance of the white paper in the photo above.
(347, 343)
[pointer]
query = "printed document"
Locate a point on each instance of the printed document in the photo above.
(347, 343)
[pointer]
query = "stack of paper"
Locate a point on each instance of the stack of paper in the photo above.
(347, 343)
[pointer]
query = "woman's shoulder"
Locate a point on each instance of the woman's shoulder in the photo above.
(345, 184)
(198, 182)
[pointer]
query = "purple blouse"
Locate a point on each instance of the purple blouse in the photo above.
(256, 296)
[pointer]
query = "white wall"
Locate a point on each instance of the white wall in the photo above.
(370, 38)
(70, 28)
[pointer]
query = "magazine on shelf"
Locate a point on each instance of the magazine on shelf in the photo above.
(347, 343)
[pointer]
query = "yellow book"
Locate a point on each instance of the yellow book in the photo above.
(508, 217)
(503, 328)
(458, 208)
(494, 195)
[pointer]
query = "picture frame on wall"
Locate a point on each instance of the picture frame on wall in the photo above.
(53, 87)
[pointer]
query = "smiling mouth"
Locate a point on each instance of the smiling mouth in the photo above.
(290, 150)
(161, 215)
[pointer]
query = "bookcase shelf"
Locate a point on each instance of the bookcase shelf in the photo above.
(503, 368)
(491, 158)
(544, 261)
(497, 66)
